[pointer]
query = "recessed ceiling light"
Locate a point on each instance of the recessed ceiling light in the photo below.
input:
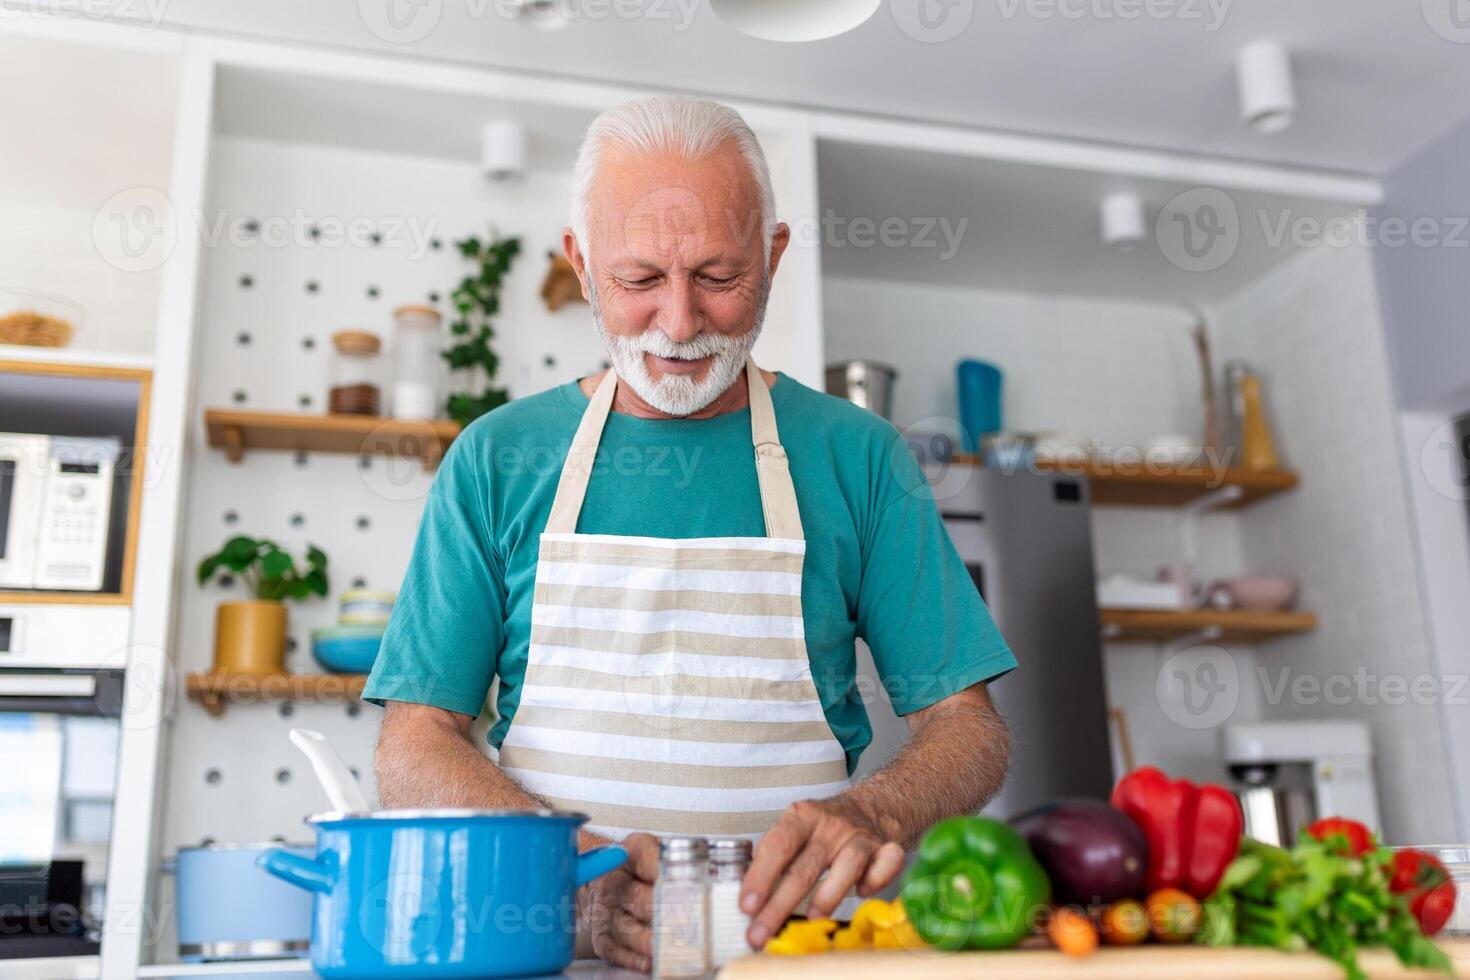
(543, 15)
(794, 20)
(1267, 93)
(1123, 221)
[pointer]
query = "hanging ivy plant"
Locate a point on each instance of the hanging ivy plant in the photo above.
(476, 303)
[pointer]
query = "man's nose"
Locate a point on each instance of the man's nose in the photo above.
(681, 321)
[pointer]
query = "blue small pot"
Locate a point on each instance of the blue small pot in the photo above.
(231, 910)
(443, 893)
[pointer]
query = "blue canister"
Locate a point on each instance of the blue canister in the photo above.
(978, 384)
(229, 909)
(443, 893)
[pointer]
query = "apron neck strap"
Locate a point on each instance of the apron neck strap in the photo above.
(778, 493)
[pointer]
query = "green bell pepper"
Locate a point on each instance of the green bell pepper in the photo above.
(974, 884)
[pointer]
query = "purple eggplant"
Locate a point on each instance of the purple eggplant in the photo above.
(1093, 853)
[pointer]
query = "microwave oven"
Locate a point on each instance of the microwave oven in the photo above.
(55, 508)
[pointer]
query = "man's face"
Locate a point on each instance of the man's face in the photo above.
(675, 272)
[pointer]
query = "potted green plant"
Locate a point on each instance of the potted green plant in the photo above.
(250, 635)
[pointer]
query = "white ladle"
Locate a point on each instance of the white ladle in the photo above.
(341, 786)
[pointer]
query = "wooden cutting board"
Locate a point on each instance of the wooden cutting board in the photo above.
(1137, 963)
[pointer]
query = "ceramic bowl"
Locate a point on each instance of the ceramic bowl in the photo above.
(1262, 593)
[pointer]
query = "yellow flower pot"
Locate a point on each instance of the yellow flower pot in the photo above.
(250, 637)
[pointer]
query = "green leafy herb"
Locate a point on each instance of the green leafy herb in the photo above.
(1315, 897)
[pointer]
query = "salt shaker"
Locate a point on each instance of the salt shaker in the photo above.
(728, 861)
(681, 908)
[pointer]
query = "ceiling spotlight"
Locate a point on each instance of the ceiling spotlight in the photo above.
(794, 20)
(544, 15)
(503, 149)
(1267, 94)
(1123, 221)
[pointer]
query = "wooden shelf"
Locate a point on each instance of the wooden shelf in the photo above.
(1140, 484)
(1233, 626)
(216, 690)
(65, 599)
(237, 431)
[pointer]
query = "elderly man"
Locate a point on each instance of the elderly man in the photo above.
(670, 603)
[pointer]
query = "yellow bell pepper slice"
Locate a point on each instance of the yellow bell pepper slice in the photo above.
(873, 916)
(848, 939)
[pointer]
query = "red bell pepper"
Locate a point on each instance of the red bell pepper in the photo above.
(1193, 831)
(1425, 884)
(1359, 838)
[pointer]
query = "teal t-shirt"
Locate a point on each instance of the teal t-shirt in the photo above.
(879, 563)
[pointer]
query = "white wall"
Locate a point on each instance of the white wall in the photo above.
(1313, 329)
(1120, 372)
(92, 124)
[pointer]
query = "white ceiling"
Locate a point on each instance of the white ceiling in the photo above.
(1375, 80)
(1037, 230)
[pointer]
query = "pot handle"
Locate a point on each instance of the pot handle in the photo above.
(598, 862)
(316, 876)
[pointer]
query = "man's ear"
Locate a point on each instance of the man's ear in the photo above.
(573, 252)
(780, 238)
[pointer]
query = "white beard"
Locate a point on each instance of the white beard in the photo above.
(675, 394)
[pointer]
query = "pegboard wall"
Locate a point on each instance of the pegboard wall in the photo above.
(269, 308)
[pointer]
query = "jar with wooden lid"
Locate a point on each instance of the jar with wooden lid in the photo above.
(354, 374)
(418, 367)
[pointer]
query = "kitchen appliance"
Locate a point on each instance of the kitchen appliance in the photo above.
(1289, 773)
(55, 508)
(979, 385)
(443, 893)
(56, 806)
(231, 909)
(865, 383)
(1026, 540)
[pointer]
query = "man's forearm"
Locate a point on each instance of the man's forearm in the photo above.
(954, 764)
(425, 758)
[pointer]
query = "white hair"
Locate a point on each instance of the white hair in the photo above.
(691, 128)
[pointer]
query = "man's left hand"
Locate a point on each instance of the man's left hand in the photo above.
(834, 836)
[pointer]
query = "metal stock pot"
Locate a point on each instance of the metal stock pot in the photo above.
(443, 893)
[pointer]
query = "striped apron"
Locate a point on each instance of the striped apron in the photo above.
(667, 687)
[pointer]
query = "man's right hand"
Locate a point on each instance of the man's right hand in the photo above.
(616, 909)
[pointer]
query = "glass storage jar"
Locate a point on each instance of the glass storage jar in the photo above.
(418, 368)
(354, 373)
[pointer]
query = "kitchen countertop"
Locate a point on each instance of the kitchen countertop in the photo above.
(301, 970)
(1142, 963)
(1138, 963)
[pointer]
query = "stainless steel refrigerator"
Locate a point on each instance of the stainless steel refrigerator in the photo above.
(1026, 539)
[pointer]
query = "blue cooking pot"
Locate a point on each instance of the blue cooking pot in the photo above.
(443, 893)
